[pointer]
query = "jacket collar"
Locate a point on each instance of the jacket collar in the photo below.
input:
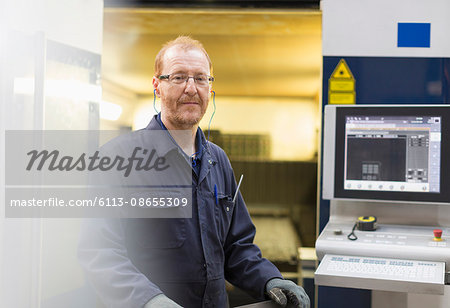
(156, 124)
(207, 159)
(165, 145)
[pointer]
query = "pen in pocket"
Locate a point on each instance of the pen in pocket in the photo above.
(215, 194)
(237, 189)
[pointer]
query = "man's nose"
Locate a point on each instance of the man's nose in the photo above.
(191, 87)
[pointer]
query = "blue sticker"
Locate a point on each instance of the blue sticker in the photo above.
(413, 35)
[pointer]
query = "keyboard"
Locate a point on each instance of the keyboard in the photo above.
(381, 274)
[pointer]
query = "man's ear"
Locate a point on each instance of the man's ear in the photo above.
(156, 82)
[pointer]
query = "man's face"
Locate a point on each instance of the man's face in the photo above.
(183, 105)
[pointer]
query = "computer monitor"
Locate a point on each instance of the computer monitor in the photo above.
(386, 152)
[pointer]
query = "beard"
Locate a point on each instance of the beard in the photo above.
(185, 118)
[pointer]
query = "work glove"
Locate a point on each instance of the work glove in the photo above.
(161, 301)
(287, 294)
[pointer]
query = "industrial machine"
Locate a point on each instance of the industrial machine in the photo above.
(386, 174)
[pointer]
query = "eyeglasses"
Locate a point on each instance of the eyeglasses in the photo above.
(200, 80)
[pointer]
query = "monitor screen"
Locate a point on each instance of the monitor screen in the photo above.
(392, 153)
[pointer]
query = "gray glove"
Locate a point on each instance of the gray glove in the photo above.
(287, 294)
(161, 301)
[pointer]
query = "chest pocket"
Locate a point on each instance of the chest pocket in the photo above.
(224, 212)
(160, 233)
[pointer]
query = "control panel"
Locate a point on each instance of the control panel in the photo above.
(388, 274)
(400, 258)
(390, 241)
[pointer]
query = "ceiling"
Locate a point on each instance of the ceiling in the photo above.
(254, 52)
(215, 3)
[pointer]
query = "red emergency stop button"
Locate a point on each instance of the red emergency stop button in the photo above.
(437, 234)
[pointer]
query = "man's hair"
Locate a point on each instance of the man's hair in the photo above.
(184, 42)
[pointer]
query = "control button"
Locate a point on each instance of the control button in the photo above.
(437, 235)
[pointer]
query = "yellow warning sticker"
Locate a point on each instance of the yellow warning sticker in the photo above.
(342, 71)
(341, 85)
(341, 98)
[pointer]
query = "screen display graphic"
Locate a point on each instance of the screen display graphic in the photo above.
(392, 153)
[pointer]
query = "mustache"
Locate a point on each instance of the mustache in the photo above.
(189, 100)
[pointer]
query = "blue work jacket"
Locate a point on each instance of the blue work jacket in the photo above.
(129, 261)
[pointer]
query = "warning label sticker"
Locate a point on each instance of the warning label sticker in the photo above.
(341, 85)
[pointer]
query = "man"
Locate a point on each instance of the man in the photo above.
(188, 264)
